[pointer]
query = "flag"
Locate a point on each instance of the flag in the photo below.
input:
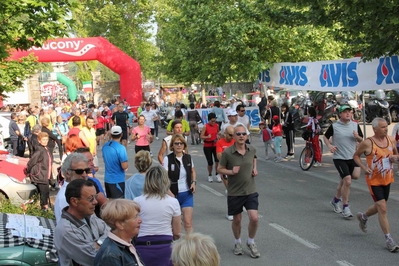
(87, 86)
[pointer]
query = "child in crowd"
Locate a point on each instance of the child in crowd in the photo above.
(277, 130)
(267, 137)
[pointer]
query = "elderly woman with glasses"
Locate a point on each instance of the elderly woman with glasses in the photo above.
(161, 219)
(122, 216)
(182, 177)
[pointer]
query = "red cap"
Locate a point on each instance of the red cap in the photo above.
(275, 117)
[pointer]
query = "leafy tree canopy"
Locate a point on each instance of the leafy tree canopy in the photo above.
(27, 23)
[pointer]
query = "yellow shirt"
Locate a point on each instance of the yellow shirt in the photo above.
(82, 122)
(91, 137)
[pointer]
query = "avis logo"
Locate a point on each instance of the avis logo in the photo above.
(388, 70)
(290, 75)
(264, 76)
(334, 75)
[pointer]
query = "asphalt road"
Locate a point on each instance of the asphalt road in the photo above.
(297, 225)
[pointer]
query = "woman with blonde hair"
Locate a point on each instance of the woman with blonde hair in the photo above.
(160, 214)
(182, 177)
(122, 216)
(135, 184)
(195, 250)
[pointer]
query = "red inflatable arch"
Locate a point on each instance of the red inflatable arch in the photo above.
(95, 48)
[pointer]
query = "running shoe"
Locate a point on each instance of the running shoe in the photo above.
(346, 212)
(316, 164)
(229, 217)
(156, 138)
(391, 245)
(238, 249)
(254, 250)
(336, 207)
(218, 179)
(279, 160)
(362, 223)
(210, 179)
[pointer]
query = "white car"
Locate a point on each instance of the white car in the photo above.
(17, 189)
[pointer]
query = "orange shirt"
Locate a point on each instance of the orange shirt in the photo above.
(222, 144)
(378, 161)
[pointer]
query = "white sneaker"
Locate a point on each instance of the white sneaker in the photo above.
(218, 179)
(157, 138)
(128, 142)
(210, 179)
(316, 164)
(346, 212)
(229, 217)
(151, 154)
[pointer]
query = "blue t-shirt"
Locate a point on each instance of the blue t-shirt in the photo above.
(114, 154)
(100, 187)
(134, 186)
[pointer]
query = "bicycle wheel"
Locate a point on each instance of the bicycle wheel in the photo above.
(306, 159)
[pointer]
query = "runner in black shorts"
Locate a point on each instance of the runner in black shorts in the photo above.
(345, 167)
(121, 118)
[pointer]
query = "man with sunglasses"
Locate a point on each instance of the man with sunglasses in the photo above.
(232, 116)
(221, 145)
(238, 162)
(74, 167)
(79, 233)
(242, 117)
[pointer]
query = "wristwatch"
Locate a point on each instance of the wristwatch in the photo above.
(99, 242)
(194, 181)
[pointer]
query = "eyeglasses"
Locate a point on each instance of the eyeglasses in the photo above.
(178, 143)
(230, 134)
(80, 171)
(241, 133)
(92, 198)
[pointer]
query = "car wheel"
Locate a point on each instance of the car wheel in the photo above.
(394, 115)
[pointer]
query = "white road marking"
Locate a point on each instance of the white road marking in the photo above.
(211, 190)
(344, 263)
(294, 236)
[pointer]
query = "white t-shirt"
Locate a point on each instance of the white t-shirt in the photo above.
(182, 182)
(157, 215)
(60, 202)
(149, 115)
(243, 120)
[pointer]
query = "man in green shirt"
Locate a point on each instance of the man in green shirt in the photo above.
(238, 162)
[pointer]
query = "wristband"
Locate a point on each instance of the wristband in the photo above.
(194, 181)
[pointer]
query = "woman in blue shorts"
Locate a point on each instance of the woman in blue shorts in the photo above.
(182, 177)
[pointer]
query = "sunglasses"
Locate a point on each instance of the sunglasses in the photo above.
(241, 133)
(178, 143)
(242, 110)
(230, 134)
(92, 198)
(80, 171)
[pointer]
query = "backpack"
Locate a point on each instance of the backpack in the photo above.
(265, 135)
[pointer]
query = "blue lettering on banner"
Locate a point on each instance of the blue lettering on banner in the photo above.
(388, 70)
(264, 76)
(290, 75)
(334, 75)
(205, 116)
(253, 115)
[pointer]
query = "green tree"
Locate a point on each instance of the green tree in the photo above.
(365, 26)
(124, 23)
(210, 41)
(27, 23)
